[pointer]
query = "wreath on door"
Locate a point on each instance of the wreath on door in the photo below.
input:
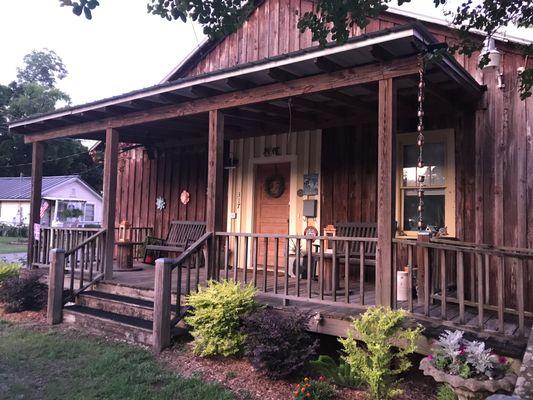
(275, 186)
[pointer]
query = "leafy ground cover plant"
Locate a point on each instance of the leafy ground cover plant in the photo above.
(445, 392)
(278, 344)
(340, 374)
(8, 270)
(469, 359)
(377, 364)
(216, 317)
(314, 390)
(23, 293)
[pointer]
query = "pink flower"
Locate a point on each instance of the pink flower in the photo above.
(502, 360)
(430, 357)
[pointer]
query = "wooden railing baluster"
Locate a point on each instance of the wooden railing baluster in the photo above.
(286, 285)
(276, 264)
(309, 267)
(298, 256)
(254, 262)
(334, 279)
(410, 277)
(361, 273)
(236, 259)
(520, 296)
(427, 281)
(442, 263)
(245, 266)
(461, 286)
(226, 257)
(347, 271)
(265, 265)
(500, 277)
(322, 277)
(480, 290)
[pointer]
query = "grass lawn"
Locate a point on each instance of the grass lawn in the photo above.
(51, 365)
(6, 245)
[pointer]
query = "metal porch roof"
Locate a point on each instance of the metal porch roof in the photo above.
(397, 42)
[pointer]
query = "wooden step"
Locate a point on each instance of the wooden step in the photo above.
(123, 305)
(109, 324)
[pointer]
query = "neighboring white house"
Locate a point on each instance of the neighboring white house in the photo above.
(59, 193)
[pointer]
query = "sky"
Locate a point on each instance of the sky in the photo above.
(121, 49)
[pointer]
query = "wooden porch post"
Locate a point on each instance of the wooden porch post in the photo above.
(36, 188)
(109, 199)
(214, 181)
(385, 191)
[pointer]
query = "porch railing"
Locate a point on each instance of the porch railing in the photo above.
(452, 283)
(331, 270)
(84, 263)
(191, 269)
(465, 284)
(68, 238)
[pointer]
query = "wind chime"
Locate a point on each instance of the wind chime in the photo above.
(420, 141)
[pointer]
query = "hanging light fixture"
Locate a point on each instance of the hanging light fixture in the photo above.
(489, 48)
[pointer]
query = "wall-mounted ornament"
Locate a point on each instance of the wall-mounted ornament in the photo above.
(300, 192)
(185, 197)
(275, 185)
(160, 203)
(311, 184)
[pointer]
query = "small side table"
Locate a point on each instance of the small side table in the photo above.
(124, 256)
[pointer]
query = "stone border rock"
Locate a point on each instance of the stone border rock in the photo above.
(467, 388)
(524, 384)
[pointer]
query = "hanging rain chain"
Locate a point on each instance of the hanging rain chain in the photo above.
(420, 141)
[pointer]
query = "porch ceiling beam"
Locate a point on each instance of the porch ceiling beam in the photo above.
(318, 107)
(204, 91)
(239, 83)
(325, 64)
(281, 75)
(275, 91)
(381, 53)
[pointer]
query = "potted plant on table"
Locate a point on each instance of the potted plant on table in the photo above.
(470, 368)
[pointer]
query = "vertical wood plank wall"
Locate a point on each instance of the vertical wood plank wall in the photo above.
(141, 181)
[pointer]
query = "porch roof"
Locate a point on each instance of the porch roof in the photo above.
(128, 111)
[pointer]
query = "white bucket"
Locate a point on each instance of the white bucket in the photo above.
(402, 285)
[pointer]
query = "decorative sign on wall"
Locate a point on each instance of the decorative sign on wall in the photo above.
(310, 184)
(160, 203)
(275, 185)
(185, 197)
(271, 151)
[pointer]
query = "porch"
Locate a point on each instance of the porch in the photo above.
(192, 130)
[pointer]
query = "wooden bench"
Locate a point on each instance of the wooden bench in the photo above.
(362, 230)
(181, 235)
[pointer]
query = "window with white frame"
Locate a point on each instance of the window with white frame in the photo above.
(89, 212)
(439, 181)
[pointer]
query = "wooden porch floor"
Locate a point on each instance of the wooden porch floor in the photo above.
(336, 316)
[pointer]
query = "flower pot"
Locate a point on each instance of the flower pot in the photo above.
(472, 388)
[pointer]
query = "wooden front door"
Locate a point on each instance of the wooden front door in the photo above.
(271, 207)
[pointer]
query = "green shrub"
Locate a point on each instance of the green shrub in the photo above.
(216, 317)
(277, 343)
(445, 392)
(7, 270)
(314, 390)
(380, 328)
(23, 293)
(341, 374)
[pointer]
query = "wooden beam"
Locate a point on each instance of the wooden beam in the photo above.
(239, 83)
(214, 171)
(265, 93)
(281, 75)
(386, 191)
(326, 64)
(36, 189)
(213, 204)
(109, 198)
(381, 54)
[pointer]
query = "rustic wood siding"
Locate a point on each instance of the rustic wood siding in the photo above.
(141, 181)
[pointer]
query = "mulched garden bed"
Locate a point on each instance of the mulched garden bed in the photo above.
(241, 378)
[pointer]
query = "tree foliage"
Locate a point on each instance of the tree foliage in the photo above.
(333, 19)
(35, 92)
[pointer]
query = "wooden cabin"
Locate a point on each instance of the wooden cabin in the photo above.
(302, 163)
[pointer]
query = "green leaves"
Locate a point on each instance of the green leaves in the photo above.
(83, 6)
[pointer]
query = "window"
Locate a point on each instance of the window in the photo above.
(439, 181)
(89, 212)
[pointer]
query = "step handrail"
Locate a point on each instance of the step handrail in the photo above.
(193, 248)
(85, 242)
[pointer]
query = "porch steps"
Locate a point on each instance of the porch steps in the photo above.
(118, 304)
(108, 311)
(110, 324)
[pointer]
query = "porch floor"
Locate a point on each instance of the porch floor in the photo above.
(336, 316)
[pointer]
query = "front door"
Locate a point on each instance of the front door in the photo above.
(271, 207)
